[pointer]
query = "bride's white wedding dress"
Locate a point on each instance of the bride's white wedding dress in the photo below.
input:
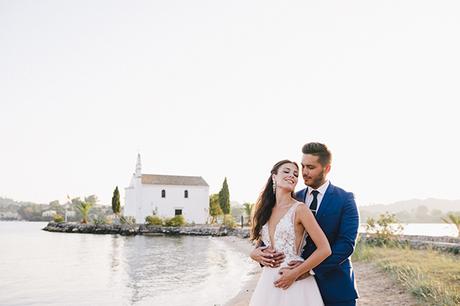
(301, 293)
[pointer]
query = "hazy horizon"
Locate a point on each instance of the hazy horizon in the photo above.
(226, 89)
(241, 203)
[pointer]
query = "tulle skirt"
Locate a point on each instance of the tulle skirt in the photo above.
(304, 292)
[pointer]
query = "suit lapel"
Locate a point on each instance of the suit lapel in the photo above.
(302, 195)
(326, 203)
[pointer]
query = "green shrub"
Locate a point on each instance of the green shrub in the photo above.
(127, 220)
(175, 221)
(385, 229)
(101, 220)
(153, 220)
(229, 221)
(363, 251)
(58, 218)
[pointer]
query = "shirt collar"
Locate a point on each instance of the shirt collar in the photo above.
(321, 189)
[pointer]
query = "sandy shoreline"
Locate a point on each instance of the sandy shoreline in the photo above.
(243, 246)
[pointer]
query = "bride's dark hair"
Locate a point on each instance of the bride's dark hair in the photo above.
(266, 202)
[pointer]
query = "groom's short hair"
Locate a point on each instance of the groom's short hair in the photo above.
(320, 150)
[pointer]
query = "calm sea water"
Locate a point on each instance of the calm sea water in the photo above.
(42, 268)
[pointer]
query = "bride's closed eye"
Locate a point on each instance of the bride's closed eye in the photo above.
(296, 174)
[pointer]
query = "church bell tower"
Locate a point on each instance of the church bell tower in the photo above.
(138, 172)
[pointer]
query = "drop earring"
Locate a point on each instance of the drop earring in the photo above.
(274, 187)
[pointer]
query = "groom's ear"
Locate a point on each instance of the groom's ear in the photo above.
(327, 168)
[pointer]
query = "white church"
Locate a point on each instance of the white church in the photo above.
(166, 196)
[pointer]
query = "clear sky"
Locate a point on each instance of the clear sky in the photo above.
(225, 89)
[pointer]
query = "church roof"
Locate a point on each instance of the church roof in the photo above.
(157, 179)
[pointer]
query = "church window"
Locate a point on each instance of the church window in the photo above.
(163, 193)
(186, 194)
(178, 212)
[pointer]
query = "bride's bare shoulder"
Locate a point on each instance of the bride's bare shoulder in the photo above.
(300, 206)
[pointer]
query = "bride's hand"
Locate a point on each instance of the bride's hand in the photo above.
(267, 256)
(288, 277)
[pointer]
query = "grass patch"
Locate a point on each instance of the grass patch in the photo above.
(433, 277)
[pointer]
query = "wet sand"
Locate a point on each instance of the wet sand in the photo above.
(244, 247)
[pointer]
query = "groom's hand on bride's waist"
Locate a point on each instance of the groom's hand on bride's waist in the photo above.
(294, 264)
(267, 256)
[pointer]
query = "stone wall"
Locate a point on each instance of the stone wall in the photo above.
(448, 244)
(142, 229)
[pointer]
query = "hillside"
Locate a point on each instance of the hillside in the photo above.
(416, 210)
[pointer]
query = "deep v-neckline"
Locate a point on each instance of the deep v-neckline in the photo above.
(272, 242)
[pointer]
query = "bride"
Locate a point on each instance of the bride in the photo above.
(281, 223)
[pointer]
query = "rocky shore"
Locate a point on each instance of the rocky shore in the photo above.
(419, 242)
(143, 229)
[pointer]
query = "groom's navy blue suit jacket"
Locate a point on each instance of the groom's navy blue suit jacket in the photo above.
(338, 218)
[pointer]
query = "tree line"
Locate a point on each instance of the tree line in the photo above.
(219, 205)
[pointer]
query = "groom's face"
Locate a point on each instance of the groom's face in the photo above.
(314, 174)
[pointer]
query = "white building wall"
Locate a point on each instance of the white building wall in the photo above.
(143, 200)
(133, 200)
(48, 213)
(194, 208)
(130, 202)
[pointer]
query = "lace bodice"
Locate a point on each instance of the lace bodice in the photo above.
(284, 236)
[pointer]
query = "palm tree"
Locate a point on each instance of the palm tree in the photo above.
(84, 208)
(454, 219)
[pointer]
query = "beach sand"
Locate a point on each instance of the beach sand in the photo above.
(245, 247)
(374, 286)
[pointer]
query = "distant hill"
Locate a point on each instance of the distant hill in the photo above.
(429, 210)
(4, 202)
(415, 210)
(431, 203)
(29, 211)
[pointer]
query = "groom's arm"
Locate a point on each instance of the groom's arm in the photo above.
(344, 244)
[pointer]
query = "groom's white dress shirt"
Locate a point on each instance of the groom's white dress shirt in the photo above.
(322, 190)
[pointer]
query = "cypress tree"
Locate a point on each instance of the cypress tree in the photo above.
(116, 201)
(224, 198)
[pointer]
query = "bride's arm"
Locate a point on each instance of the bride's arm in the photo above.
(323, 249)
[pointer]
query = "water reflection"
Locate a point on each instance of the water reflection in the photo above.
(117, 242)
(157, 265)
(85, 269)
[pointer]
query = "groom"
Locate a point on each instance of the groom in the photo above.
(337, 215)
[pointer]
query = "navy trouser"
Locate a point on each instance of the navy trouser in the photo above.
(348, 303)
